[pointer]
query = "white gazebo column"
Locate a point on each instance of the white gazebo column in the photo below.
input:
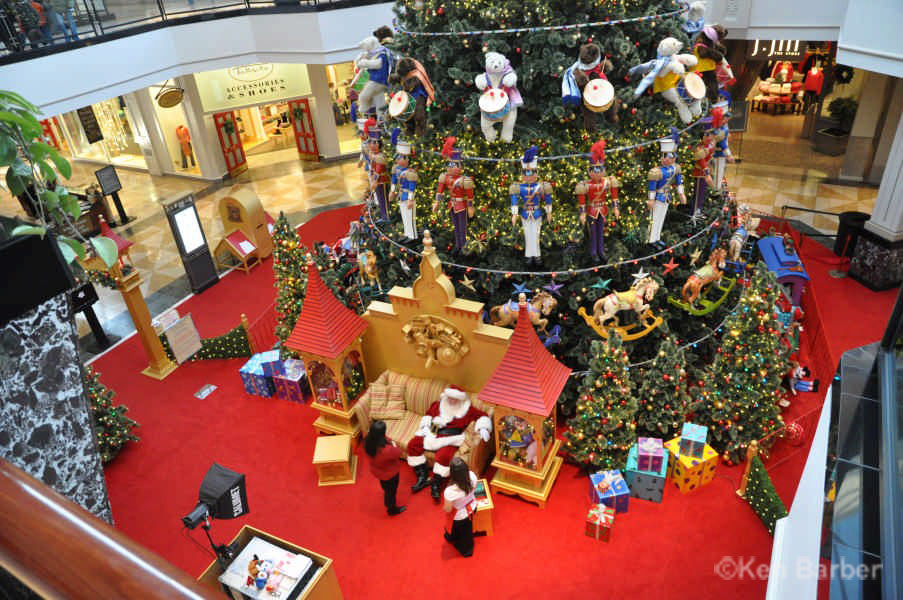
(321, 112)
(878, 259)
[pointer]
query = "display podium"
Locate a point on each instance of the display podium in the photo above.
(322, 585)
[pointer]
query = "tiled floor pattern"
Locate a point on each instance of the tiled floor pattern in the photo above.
(777, 170)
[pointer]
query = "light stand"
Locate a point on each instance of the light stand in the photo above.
(224, 553)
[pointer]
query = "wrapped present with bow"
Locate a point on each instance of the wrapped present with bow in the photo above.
(610, 489)
(650, 454)
(645, 484)
(599, 522)
(254, 380)
(289, 383)
(687, 472)
(692, 439)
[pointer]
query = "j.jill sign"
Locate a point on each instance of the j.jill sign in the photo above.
(248, 85)
(776, 49)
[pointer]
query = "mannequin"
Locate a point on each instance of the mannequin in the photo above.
(812, 85)
(185, 146)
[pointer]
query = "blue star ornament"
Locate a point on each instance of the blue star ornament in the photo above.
(520, 288)
(553, 288)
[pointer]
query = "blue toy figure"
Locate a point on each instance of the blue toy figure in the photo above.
(527, 200)
(661, 179)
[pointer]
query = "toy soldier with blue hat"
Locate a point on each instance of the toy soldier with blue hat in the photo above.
(661, 180)
(404, 184)
(528, 199)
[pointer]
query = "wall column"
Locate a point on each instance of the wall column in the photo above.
(866, 126)
(205, 142)
(145, 104)
(321, 112)
(878, 259)
(143, 121)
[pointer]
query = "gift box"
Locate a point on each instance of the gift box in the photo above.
(254, 380)
(271, 363)
(290, 385)
(643, 484)
(650, 454)
(687, 472)
(610, 489)
(692, 440)
(599, 522)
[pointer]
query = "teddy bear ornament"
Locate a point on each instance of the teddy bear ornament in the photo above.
(500, 97)
(670, 74)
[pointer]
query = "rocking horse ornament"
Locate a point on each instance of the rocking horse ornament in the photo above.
(700, 284)
(637, 298)
(541, 306)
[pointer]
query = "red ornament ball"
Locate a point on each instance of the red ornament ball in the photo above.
(794, 434)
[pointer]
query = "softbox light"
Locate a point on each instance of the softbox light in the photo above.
(223, 491)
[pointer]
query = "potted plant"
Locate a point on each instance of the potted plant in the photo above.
(833, 140)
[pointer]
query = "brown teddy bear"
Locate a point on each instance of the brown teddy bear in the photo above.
(411, 77)
(591, 65)
(710, 51)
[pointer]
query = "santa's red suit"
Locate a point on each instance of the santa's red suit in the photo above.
(442, 429)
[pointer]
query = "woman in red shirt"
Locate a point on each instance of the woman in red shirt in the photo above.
(385, 457)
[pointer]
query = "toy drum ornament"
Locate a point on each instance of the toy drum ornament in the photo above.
(598, 95)
(494, 104)
(694, 85)
(402, 106)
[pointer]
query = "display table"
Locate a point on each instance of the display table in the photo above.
(482, 517)
(335, 463)
(317, 582)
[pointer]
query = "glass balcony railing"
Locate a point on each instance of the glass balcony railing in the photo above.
(30, 28)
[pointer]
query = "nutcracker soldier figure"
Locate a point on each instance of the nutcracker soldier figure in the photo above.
(703, 153)
(460, 190)
(528, 199)
(364, 159)
(404, 183)
(661, 179)
(379, 169)
(599, 188)
(722, 149)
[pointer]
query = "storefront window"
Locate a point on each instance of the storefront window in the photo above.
(117, 146)
(178, 137)
(340, 78)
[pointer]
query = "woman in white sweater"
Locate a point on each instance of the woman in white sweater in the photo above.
(460, 501)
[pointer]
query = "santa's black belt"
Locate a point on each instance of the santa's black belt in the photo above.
(450, 431)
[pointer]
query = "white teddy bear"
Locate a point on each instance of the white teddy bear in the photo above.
(664, 73)
(375, 58)
(499, 75)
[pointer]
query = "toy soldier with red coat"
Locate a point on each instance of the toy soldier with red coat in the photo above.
(598, 189)
(703, 154)
(460, 189)
(442, 431)
(379, 168)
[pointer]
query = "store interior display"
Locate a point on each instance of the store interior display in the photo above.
(118, 145)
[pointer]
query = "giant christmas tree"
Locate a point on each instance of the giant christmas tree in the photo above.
(741, 388)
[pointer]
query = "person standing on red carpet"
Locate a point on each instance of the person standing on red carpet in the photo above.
(384, 464)
(460, 501)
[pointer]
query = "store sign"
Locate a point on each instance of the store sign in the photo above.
(776, 49)
(258, 83)
(89, 123)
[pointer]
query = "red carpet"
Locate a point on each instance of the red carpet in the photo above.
(660, 551)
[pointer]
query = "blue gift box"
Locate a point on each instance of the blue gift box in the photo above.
(289, 384)
(610, 489)
(271, 363)
(254, 380)
(646, 485)
(692, 440)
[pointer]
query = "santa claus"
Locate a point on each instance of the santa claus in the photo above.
(442, 431)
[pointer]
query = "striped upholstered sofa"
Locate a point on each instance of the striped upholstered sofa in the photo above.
(418, 394)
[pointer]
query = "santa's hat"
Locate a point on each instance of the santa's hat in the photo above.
(456, 392)
(597, 153)
(529, 161)
(449, 151)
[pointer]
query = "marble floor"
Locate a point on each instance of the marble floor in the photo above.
(777, 170)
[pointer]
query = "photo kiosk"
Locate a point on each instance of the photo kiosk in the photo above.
(191, 241)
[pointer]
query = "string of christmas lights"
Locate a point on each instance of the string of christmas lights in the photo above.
(574, 27)
(552, 274)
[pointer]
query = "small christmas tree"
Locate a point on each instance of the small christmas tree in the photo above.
(111, 427)
(663, 393)
(738, 399)
(604, 428)
(290, 275)
(762, 496)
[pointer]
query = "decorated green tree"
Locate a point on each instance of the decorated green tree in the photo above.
(604, 428)
(112, 428)
(762, 496)
(663, 393)
(740, 391)
(290, 275)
